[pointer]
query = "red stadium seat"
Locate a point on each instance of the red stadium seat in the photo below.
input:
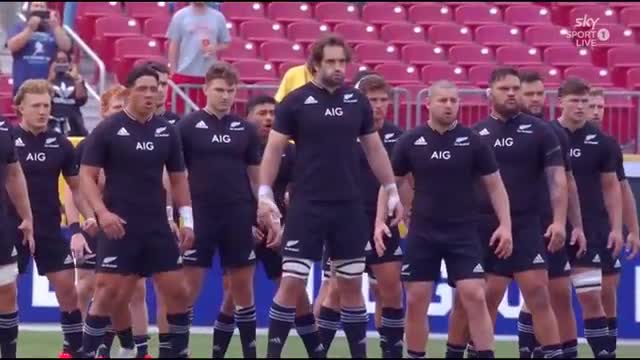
(622, 4)
(239, 11)
(398, 74)
(239, 49)
(286, 65)
(630, 17)
(620, 60)
(563, 56)
(603, 13)
(506, 4)
(592, 75)
(353, 68)
(306, 32)
(89, 12)
(469, 55)
(498, 35)
(428, 14)
(336, 12)
(357, 32)
(479, 74)
(7, 109)
(518, 55)
(372, 54)
(478, 14)
(110, 29)
(619, 35)
(128, 50)
(423, 54)
(526, 15)
(402, 34)
(560, 12)
(261, 30)
(287, 12)
(551, 76)
(161, 59)
(633, 79)
(451, 34)
(252, 71)
(435, 72)
(156, 27)
(6, 84)
(546, 35)
(277, 52)
(142, 11)
(383, 13)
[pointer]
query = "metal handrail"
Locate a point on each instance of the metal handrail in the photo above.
(178, 91)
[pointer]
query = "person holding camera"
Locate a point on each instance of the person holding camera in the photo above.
(33, 44)
(69, 94)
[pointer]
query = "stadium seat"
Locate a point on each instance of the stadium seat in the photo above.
(157, 27)
(398, 74)
(423, 54)
(353, 68)
(6, 84)
(239, 49)
(357, 33)
(239, 11)
(479, 74)
(161, 59)
(630, 17)
(506, 4)
(622, 4)
(605, 15)
(546, 35)
(435, 72)
(110, 29)
(620, 60)
(619, 35)
(89, 12)
(498, 35)
(142, 11)
(287, 12)
(527, 15)
(373, 54)
(428, 14)
(305, 32)
(551, 76)
(336, 12)
(563, 56)
(286, 65)
(560, 12)
(478, 14)
(277, 52)
(469, 55)
(633, 79)
(252, 71)
(451, 34)
(518, 55)
(7, 109)
(402, 34)
(261, 30)
(383, 13)
(129, 49)
(594, 76)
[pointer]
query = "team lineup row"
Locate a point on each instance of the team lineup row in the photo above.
(483, 200)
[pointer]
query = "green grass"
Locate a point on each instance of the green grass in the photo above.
(47, 345)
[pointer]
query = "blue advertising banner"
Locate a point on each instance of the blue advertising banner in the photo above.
(38, 302)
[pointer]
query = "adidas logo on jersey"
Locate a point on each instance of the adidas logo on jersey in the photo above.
(478, 269)
(19, 142)
(538, 260)
(201, 125)
(596, 259)
(310, 100)
(484, 132)
(421, 141)
(123, 132)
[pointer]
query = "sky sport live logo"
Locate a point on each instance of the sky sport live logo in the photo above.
(586, 34)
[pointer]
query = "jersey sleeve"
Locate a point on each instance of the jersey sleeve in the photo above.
(290, 160)
(182, 128)
(366, 127)
(96, 149)
(550, 148)
(11, 156)
(563, 139)
(286, 121)
(175, 161)
(400, 161)
(484, 160)
(253, 151)
(610, 156)
(70, 166)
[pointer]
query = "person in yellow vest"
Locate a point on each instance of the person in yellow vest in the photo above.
(293, 79)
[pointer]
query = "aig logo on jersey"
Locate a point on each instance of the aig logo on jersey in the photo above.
(221, 139)
(441, 155)
(504, 142)
(38, 157)
(144, 146)
(162, 132)
(576, 153)
(236, 126)
(333, 112)
(348, 99)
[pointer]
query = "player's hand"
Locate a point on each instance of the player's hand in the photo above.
(502, 236)
(633, 245)
(578, 238)
(187, 238)
(34, 22)
(381, 230)
(287, 199)
(258, 235)
(615, 243)
(26, 226)
(90, 226)
(267, 212)
(274, 234)
(79, 246)
(174, 228)
(112, 225)
(395, 210)
(276, 242)
(407, 218)
(556, 234)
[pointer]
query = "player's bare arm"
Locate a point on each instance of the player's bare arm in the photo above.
(574, 215)
(381, 227)
(557, 182)
(630, 218)
(182, 198)
(17, 189)
(267, 208)
(500, 202)
(111, 223)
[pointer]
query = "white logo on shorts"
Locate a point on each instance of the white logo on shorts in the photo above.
(68, 260)
(291, 245)
(405, 269)
(252, 256)
(108, 262)
(617, 265)
(275, 341)
(478, 269)
(179, 260)
(567, 266)
(398, 251)
(538, 260)
(14, 252)
(596, 259)
(368, 247)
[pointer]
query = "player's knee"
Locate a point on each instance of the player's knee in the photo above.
(537, 298)
(332, 298)
(295, 269)
(85, 290)
(561, 298)
(351, 269)
(390, 295)
(228, 305)
(472, 296)
(415, 299)
(139, 296)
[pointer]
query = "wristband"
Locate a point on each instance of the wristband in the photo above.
(186, 215)
(265, 192)
(391, 188)
(75, 228)
(170, 213)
